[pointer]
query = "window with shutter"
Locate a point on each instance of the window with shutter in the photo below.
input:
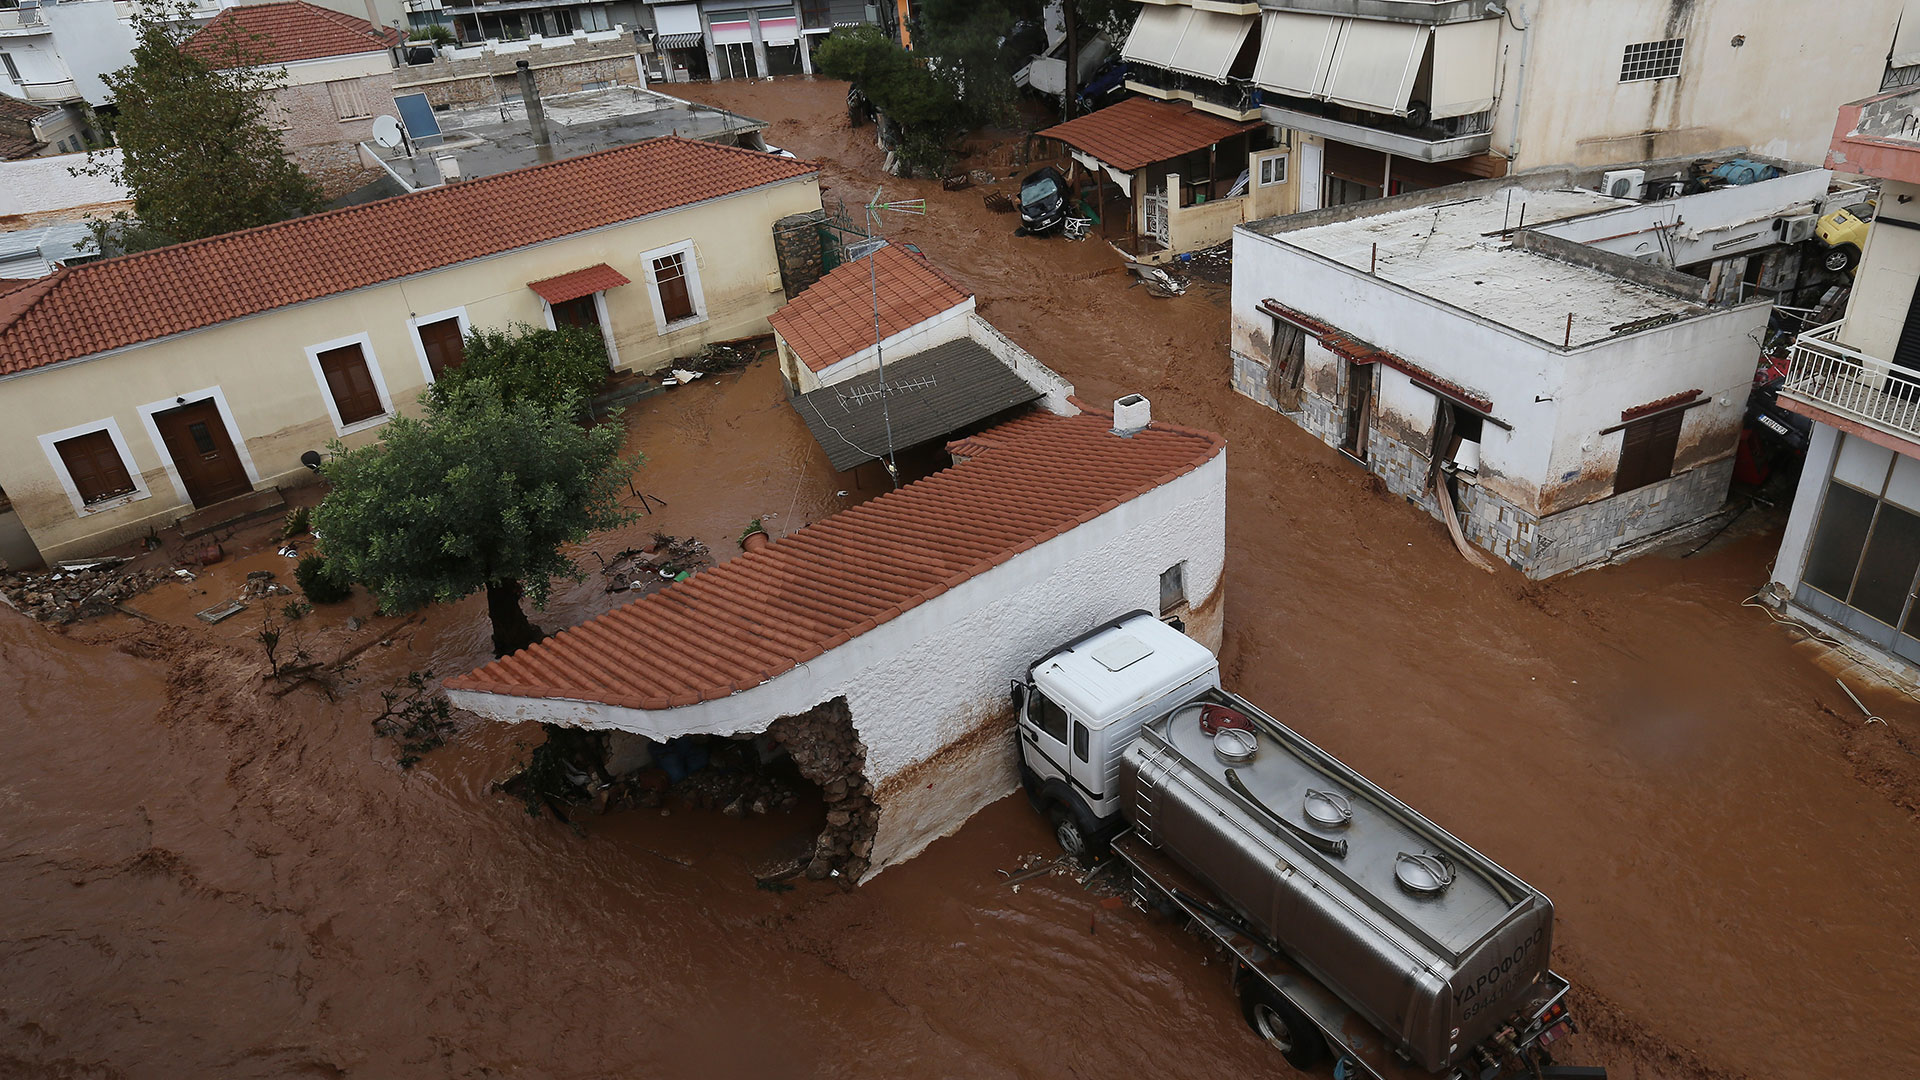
(351, 384)
(95, 465)
(581, 312)
(443, 346)
(1647, 447)
(670, 280)
(349, 99)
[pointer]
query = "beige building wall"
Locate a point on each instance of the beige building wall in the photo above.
(275, 404)
(1765, 75)
(1885, 281)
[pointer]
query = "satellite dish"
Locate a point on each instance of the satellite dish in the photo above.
(386, 131)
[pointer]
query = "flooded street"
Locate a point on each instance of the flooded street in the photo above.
(201, 878)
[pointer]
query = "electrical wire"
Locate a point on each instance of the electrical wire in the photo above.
(1820, 637)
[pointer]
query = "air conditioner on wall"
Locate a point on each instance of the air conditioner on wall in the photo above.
(1795, 229)
(1624, 183)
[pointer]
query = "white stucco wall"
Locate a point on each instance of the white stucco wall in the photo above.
(46, 185)
(1710, 225)
(1556, 400)
(1885, 281)
(93, 41)
(937, 676)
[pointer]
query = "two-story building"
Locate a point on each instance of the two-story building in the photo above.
(135, 389)
(1850, 557)
(1381, 97)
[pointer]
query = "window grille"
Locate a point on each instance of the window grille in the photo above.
(1652, 60)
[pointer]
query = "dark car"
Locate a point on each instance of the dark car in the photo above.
(1043, 200)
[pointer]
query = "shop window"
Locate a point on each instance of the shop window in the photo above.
(94, 464)
(443, 345)
(1647, 448)
(1652, 60)
(1865, 550)
(350, 383)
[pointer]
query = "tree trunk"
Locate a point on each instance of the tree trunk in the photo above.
(512, 630)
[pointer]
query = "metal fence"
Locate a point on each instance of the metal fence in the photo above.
(1825, 373)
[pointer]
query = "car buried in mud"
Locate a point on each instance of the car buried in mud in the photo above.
(1360, 930)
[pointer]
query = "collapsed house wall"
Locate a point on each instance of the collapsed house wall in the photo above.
(926, 692)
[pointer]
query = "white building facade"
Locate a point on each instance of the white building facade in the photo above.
(1567, 401)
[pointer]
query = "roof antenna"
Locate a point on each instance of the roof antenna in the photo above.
(868, 249)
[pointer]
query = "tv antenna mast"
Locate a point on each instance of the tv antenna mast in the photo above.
(868, 249)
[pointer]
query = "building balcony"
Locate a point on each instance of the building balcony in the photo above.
(1235, 99)
(59, 90)
(22, 22)
(1440, 140)
(1834, 378)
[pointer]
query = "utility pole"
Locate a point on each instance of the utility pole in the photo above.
(1073, 62)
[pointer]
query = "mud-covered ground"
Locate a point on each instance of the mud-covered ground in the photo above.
(199, 877)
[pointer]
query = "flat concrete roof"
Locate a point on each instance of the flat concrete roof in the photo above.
(494, 137)
(1454, 252)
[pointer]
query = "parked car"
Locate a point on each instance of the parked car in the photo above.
(1043, 201)
(1843, 235)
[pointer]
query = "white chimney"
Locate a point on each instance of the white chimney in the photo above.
(449, 168)
(1131, 413)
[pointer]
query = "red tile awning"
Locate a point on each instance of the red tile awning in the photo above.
(579, 283)
(1141, 131)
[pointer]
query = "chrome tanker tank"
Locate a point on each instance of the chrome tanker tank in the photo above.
(1430, 941)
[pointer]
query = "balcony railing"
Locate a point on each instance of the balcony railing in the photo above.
(1843, 380)
(1238, 97)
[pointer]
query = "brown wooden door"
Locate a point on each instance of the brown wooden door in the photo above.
(197, 440)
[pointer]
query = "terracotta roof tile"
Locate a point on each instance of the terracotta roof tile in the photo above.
(596, 278)
(91, 308)
(255, 34)
(833, 319)
(1140, 131)
(760, 614)
(13, 108)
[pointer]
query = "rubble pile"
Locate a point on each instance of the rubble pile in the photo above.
(75, 591)
(829, 753)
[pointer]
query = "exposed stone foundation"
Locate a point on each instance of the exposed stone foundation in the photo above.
(829, 752)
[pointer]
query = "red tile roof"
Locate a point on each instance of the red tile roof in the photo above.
(596, 278)
(87, 309)
(833, 319)
(755, 616)
(255, 34)
(1140, 131)
(13, 108)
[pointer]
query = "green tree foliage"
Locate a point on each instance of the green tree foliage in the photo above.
(900, 85)
(968, 38)
(526, 364)
(197, 152)
(437, 33)
(483, 493)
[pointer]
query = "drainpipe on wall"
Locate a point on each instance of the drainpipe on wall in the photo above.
(536, 112)
(1519, 80)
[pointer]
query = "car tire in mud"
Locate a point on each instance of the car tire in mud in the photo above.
(1281, 1026)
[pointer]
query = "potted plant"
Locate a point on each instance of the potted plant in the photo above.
(755, 536)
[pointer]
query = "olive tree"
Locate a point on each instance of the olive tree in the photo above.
(481, 493)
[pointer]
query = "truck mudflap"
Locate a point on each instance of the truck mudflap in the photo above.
(1357, 1044)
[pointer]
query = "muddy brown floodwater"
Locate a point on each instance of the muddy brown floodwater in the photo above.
(199, 878)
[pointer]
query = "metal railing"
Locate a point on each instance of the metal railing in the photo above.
(1829, 375)
(1234, 94)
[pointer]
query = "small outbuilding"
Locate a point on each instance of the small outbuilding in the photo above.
(876, 646)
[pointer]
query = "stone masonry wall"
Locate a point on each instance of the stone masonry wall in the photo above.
(324, 146)
(796, 244)
(1537, 547)
(560, 69)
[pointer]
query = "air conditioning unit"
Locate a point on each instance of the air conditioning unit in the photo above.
(1624, 183)
(1796, 229)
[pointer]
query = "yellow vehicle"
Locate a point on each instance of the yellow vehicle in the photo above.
(1843, 235)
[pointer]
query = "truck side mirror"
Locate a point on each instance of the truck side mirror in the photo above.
(1018, 695)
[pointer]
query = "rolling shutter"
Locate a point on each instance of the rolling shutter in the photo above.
(1156, 35)
(1375, 63)
(675, 19)
(779, 31)
(1296, 52)
(1210, 44)
(1466, 59)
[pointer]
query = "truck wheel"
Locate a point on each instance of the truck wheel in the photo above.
(1282, 1026)
(1066, 830)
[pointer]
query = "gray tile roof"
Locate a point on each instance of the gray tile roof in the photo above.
(930, 394)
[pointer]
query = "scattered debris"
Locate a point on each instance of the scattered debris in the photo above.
(1847, 690)
(77, 590)
(260, 584)
(982, 177)
(415, 717)
(226, 609)
(957, 182)
(1000, 202)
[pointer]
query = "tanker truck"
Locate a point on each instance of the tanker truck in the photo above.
(1359, 930)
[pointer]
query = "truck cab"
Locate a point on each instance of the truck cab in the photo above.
(1081, 705)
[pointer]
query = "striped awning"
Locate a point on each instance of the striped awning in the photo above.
(677, 41)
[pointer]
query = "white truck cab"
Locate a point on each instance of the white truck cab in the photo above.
(1084, 702)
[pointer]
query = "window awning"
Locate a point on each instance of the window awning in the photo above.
(1375, 63)
(1295, 52)
(1465, 59)
(1156, 34)
(1211, 43)
(579, 283)
(678, 41)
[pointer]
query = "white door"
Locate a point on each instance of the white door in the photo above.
(1311, 176)
(1156, 218)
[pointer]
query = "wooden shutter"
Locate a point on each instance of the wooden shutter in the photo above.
(1906, 352)
(1647, 448)
(349, 99)
(671, 278)
(351, 384)
(95, 465)
(442, 343)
